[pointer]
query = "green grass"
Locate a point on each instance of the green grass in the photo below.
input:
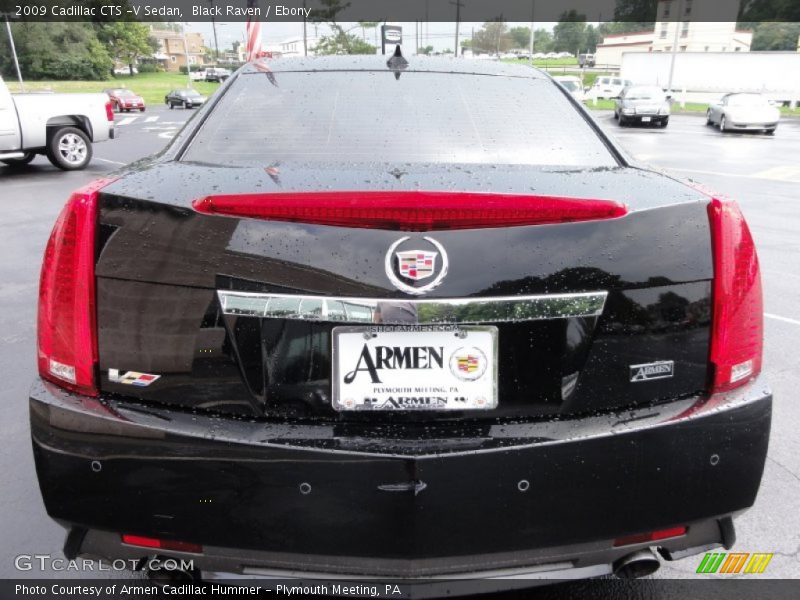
(150, 86)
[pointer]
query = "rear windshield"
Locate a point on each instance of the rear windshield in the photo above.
(369, 116)
(645, 93)
(747, 100)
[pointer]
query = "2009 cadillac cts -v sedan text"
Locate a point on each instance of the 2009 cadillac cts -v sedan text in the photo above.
(406, 320)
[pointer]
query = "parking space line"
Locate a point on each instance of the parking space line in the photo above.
(150, 119)
(127, 120)
(112, 162)
(784, 319)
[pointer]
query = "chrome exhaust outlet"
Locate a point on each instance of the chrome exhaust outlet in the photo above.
(637, 564)
(157, 570)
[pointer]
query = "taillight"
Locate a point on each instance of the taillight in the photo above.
(66, 329)
(148, 542)
(109, 111)
(410, 210)
(650, 536)
(737, 328)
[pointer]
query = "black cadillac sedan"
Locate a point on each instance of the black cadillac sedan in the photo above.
(401, 320)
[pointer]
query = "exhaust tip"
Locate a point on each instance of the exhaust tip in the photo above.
(156, 570)
(637, 564)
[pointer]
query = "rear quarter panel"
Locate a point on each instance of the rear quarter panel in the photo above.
(37, 111)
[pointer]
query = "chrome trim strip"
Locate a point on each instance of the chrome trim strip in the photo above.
(402, 311)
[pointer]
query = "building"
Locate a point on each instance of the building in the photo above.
(294, 46)
(610, 51)
(173, 46)
(681, 26)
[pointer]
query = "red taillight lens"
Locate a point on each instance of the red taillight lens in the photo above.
(651, 536)
(147, 542)
(67, 331)
(737, 329)
(109, 111)
(410, 211)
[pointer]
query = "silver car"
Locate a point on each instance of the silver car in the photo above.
(743, 112)
(642, 104)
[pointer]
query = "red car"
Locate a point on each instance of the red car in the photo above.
(125, 99)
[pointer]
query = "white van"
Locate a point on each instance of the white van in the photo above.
(608, 87)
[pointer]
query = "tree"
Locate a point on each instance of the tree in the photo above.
(520, 36)
(769, 10)
(341, 41)
(127, 41)
(367, 25)
(614, 27)
(57, 50)
(632, 11)
(543, 41)
(592, 37)
(492, 37)
(775, 36)
(428, 50)
(569, 35)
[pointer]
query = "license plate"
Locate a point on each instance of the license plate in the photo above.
(414, 368)
(645, 119)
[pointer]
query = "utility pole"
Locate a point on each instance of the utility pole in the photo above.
(14, 54)
(186, 50)
(214, 28)
(674, 47)
(305, 35)
(533, 5)
(458, 18)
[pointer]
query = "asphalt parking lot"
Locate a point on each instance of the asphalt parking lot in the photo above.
(761, 172)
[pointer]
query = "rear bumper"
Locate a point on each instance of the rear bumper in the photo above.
(750, 126)
(340, 500)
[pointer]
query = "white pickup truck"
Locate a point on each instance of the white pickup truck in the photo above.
(60, 126)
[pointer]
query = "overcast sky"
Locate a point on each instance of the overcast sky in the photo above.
(439, 35)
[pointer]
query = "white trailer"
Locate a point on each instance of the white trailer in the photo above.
(706, 76)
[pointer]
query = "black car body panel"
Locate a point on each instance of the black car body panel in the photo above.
(235, 444)
(158, 311)
(364, 500)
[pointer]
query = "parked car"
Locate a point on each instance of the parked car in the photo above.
(573, 85)
(63, 127)
(642, 104)
(314, 364)
(586, 60)
(199, 75)
(217, 74)
(125, 70)
(608, 87)
(123, 99)
(742, 112)
(187, 98)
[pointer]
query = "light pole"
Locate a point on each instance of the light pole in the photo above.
(533, 4)
(674, 47)
(14, 54)
(186, 51)
(458, 18)
(214, 28)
